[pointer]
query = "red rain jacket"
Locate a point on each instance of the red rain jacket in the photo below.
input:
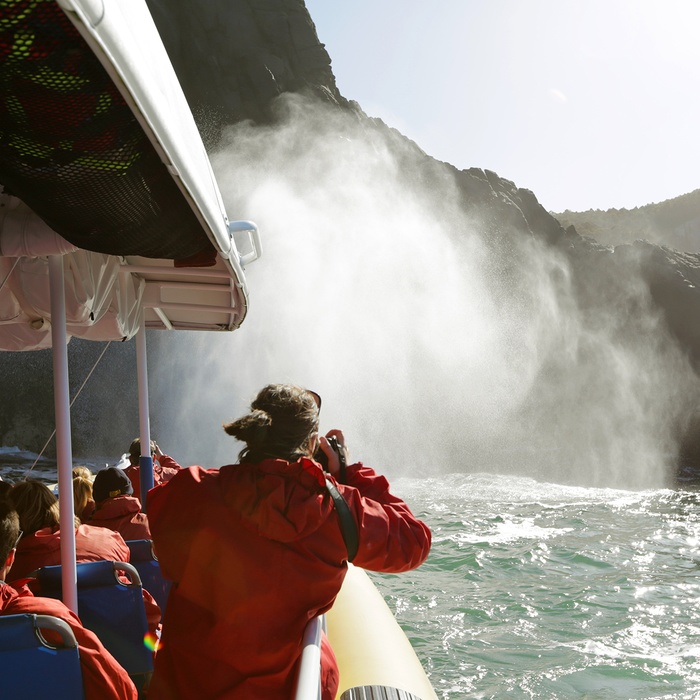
(255, 551)
(163, 470)
(43, 548)
(123, 515)
(103, 677)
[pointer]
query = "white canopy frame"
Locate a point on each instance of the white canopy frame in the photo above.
(64, 451)
(146, 460)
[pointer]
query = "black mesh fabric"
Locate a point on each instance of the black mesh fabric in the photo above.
(71, 148)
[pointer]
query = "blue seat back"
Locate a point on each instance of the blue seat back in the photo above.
(143, 558)
(33, 669)
(112, 609)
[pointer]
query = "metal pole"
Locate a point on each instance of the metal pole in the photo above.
(146, 461)
(64, 452)
(309, 679)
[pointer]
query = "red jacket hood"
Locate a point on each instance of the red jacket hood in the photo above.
(279, 500)
(7, 596)
(10, 593)
(116, 507)
(43, 548)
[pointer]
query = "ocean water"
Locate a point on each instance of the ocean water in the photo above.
(537, 590)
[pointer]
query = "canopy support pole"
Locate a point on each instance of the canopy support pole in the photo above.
(64, 454)
(146, 460)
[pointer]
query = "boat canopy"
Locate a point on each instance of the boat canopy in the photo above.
(111, 221)
(101, 162)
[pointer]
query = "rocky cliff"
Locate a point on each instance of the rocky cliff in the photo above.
(674, 223)
(237, 59)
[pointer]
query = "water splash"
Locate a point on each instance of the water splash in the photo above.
(438, 342)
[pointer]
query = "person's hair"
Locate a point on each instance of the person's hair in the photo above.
(9, 529)
(135, 451)
(5, 488)
(36, 506)
(82, 493)
(82, 471)
(281, 422)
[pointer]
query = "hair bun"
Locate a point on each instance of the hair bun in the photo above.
(252, 429)
(281, 421)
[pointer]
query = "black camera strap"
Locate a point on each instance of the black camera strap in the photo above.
(348, 527)
(342, 462)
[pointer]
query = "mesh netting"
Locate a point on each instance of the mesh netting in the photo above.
(73, 151)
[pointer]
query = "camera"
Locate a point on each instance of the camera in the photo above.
(320, 455)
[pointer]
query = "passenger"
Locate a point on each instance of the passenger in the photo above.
(103, 677)
(116, 508)
(40, 545)
(83, 502)
(164, 467)
(256, 550)
(83, 471)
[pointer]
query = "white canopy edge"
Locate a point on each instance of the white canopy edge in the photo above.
(126, 41)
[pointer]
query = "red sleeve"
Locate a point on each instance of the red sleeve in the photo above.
(391, 538)
(103, 677)
(166, 468)
(168, 462)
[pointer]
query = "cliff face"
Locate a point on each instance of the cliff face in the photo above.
(674, 223)
(234, 57)
(581, 308)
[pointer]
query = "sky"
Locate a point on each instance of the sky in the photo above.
(591, 104)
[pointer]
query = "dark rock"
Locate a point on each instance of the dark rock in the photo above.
(233, 57)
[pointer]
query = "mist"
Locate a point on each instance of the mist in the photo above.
(438, 344)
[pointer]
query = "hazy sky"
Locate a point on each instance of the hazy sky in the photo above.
(588, 103)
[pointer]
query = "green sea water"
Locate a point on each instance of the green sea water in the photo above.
(536, 590)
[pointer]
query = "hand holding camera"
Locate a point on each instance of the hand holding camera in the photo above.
(332, 454)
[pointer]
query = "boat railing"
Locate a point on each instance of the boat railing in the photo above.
(309, 679)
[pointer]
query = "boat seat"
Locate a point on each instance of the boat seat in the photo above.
(144, 559)
(111, 607)
(31, 667)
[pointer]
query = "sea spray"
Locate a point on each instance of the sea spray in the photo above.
(439, 341)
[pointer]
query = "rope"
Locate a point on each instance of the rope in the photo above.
(46, 444)
(4, 282)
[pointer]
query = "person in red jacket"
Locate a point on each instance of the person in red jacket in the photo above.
(41, 542)
(116, 508)
(40, 545)
(164, 467)
(256, 550)
(103, 677)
